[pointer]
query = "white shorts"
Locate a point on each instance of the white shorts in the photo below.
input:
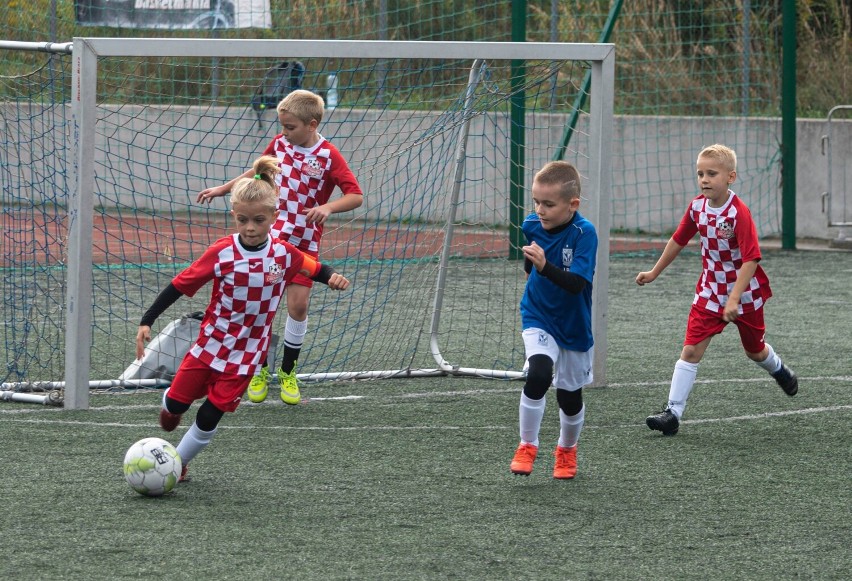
(571, 369)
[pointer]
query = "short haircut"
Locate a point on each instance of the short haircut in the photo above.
(721, 153)
(305, 105)
(563, 174)
(260, 188)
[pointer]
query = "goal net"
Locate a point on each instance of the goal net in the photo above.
(444, 139)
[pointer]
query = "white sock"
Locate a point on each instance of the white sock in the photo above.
(530, 413)
(294, 332)
(772, 363)
(570, 427)
(193, 442)
(683, 379)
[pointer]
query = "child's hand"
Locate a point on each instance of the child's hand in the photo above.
(338, 282)
(143, 335)
(535, 254)
(210, 193)
(730, 314)
(645, 278)
(318, 214)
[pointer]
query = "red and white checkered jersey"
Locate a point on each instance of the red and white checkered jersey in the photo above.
(307, 179)
(247, 287)
(728, 238)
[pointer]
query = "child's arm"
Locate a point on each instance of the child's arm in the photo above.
(568, 281)
(327, 275)
(164, 300)
(319, 214)
(215, 192)
(744, 276)
(323, 273)
(670, 252)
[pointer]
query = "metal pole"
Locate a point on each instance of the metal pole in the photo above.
(78, 327)
(53, 20)
(461, 157)
(587, 83)
(746, 56)
(788, 126)
(554, 37)
(517, 134)
(382, 65)
(53, 47)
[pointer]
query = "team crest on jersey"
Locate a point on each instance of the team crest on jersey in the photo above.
(312, 168)
(275, 274)
(725, 230)
(567, 257)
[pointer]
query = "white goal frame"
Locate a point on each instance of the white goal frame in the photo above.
(85, 54)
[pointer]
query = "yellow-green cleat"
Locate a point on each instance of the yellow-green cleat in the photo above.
(258, 386)
(289, 386)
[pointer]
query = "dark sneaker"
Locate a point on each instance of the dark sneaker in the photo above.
(169, 421)
(786, 378)
(665, 422)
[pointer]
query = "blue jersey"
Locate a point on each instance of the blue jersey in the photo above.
(567, 317)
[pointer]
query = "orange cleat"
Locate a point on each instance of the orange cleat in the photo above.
(522, 463)
(566, 463)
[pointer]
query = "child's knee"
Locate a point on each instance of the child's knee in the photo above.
(298, 310)
(208, 416)
(757, 356)
(570, 402)
(692, 353)
(539, 376)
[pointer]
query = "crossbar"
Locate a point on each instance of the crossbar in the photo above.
(198, 47)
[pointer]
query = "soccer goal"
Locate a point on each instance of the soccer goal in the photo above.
(444, 137)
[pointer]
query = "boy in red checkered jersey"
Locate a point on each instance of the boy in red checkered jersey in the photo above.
(311, 168)
(249, 271)
(732, 288)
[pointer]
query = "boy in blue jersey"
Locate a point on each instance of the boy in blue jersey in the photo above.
(556, 315)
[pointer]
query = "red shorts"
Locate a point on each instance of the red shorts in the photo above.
(302, 280)
(703, 324)
(195, 380)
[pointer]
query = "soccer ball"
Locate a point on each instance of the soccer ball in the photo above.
(152, 466)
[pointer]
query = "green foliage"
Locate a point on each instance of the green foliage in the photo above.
(675, 57)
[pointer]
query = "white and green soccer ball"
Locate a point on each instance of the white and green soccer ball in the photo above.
(152, 466)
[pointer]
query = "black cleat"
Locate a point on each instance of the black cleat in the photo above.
(786, 378)
(665, 422)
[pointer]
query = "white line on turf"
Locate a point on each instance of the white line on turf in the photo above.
(818, 410)
(638, 424)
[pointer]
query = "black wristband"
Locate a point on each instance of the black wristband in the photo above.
(324, 274)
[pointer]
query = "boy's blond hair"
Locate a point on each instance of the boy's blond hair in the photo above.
(260, 188)
(721, 153)
(305, 105)
(563, 174)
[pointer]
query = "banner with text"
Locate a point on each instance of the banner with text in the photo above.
(174, 14)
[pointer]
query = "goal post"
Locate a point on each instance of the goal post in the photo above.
(426, 128)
